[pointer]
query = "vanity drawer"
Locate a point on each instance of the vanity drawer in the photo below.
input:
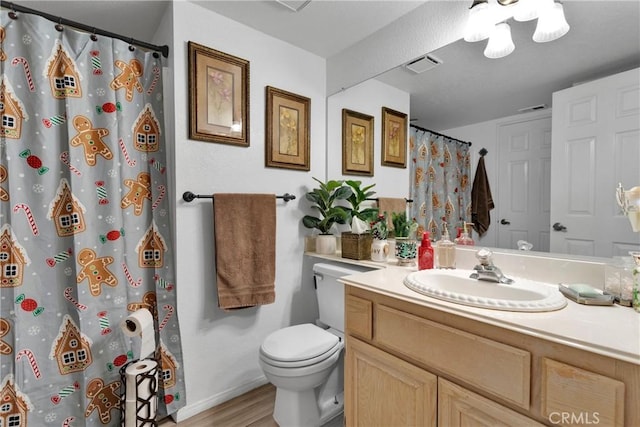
(496, 368)
(359, 317)
(573, 396)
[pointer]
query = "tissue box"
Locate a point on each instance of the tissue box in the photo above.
(356, 246)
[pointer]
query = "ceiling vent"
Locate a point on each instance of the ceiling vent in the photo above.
(422, 64)
(532, 108)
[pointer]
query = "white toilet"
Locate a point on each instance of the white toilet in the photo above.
(305, 362)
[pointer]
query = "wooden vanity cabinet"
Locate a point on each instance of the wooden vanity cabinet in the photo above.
(411, 365)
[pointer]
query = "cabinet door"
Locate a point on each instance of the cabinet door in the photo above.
(458, 407)
(383, 390)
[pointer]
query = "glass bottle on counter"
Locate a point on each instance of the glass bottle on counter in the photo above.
(445, 251)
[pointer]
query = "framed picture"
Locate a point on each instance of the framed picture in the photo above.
(288, 119)
(394, 138)
(357, 143)
(218, 96)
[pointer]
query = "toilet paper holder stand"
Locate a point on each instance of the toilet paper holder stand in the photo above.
(144, 405)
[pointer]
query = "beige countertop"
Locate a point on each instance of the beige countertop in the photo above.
(612, 331)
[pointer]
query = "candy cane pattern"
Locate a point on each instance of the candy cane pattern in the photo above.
(64, 158)
(134, 283)
(125, 153)
(169, 309)
(162, 190)
(27, 71)
(67, 421)
(30, 218)
(69, 297)
(32, 361)
(156, 77)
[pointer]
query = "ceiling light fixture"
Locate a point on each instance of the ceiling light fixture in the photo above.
(500, 43)
(479, 24)
(552, 24)
(483, 16)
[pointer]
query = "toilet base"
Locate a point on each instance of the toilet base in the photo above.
(302, 409)
(296, 408)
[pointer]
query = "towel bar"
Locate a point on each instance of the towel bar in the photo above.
(188, 196)
(375, 199)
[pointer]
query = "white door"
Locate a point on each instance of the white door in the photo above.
(524, 171)
(596, 144)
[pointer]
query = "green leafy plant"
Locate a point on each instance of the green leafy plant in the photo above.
(402, 226)
(323, 199)
(379, 228)
(357, 197)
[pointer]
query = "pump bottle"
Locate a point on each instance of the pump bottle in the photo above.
(464, 239)
(425, 253)
(445, 251)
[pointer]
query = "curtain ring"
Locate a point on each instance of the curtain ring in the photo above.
(59, 25)
(13, 15)
(131, 48)
(156, 55)
(93, 36)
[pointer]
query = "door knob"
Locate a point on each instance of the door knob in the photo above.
(559, 227)
(505, 222)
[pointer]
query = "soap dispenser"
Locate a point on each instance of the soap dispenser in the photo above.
(445, 251)
(465, 239)
(425, 253)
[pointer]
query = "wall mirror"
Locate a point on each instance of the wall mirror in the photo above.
(467, 88)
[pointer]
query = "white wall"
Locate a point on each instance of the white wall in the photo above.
(221, 348)
(485, 134)
(368, 98)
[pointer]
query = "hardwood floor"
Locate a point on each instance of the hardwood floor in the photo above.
(252, 409)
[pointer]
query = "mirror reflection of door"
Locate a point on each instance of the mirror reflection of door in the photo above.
(524, 158)
(596, 145)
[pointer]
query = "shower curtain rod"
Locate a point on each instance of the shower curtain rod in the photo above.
(440, 134)
(62, 21)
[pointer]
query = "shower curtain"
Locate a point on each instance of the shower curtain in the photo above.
(85, 232)
(440, 186)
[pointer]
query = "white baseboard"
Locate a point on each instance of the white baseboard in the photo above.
(208, 403)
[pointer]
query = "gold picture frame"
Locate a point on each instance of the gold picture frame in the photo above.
(394, 138)
(288, 125)
(357, 143)
(218, 96)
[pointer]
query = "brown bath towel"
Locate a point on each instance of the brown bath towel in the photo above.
(245, 237)
(481, 199)
(389, 205)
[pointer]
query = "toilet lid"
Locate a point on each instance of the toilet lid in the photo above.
(298, 342)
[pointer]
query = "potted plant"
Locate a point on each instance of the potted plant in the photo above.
(405, 230)
(324, 198)
(356, 244)
(380, 232)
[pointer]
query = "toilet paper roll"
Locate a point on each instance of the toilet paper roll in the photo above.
(140, 324)
(141, 400)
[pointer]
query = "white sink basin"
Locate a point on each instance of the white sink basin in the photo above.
(456, 286)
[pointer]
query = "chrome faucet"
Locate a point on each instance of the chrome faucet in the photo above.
(486, 270)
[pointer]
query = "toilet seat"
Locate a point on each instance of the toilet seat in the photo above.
(299, 346)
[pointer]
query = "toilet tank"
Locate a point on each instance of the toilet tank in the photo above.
(330, 292)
